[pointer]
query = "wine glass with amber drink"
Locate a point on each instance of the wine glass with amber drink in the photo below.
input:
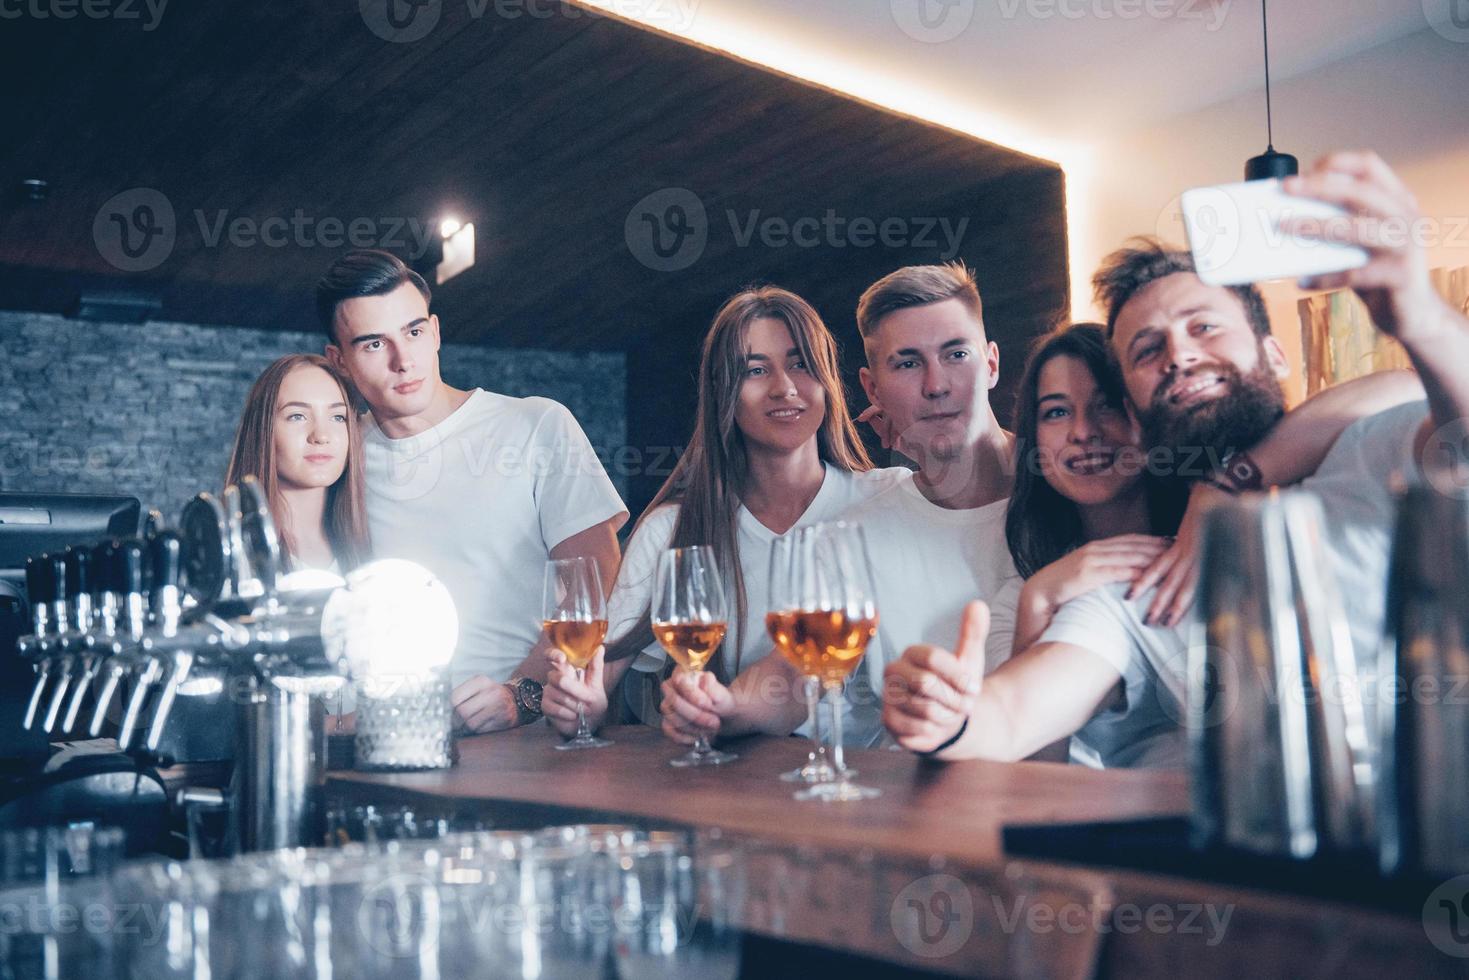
(690, 612)
(836, 618)
(574, 616)
(785, 562)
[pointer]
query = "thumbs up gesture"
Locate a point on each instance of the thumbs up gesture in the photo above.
(929, 692)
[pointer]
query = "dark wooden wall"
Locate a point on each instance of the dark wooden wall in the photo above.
(547, 132)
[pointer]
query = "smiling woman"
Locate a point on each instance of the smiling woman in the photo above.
(773, 449)
(299, 437)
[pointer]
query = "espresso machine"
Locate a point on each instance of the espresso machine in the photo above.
(188, 645)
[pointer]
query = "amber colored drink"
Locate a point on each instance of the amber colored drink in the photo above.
(690, 644)
(834, 642)
(577, 638)
(782, 629)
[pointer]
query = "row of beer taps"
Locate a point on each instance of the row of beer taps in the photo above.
(163, 614)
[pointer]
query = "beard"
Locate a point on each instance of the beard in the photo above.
(1250, 406)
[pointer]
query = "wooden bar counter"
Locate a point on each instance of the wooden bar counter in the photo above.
(918, 877)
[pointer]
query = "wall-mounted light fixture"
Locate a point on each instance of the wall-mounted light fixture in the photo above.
(458, 249)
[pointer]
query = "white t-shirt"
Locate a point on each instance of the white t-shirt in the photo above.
(840, 489)
(1354, 483)
(1146, 731)
(480, 500)
(928, 563)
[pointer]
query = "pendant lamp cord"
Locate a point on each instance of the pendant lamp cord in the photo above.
(1269, 122)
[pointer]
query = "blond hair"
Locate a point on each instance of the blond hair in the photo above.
(917, 285)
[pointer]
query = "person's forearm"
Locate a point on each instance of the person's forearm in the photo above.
(1032, 615)
(1296, 446)
(768, 700)
(989, 733)
(1439, 349)
(1039, 697)
(537, 663)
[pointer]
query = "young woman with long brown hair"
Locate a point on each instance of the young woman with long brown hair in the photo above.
(773, 448)
(299, 437)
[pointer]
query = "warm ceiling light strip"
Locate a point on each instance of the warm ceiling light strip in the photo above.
(707, 29)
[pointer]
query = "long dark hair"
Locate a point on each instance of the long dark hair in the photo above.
(1041, 525)
(710, 478)
(345, 515)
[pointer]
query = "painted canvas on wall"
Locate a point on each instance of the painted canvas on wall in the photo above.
(1339, 342)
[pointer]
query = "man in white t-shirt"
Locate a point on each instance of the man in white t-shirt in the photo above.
(935, 540)
(1202, 373)
(482, 489)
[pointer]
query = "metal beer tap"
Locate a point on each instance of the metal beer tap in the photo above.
(77, 641)
(45, 591)
(132, 617)
(105, 606)
(144, 656)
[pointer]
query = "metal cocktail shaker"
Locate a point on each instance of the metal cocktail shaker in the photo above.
(1423, 703)
(1282, 762)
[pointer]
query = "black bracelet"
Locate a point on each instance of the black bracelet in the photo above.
(950, 741)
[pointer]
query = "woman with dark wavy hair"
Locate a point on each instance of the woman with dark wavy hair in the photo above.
(1085, 511)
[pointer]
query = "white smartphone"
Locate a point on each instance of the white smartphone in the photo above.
(1233, 232)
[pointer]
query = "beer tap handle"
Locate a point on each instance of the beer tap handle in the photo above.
(131, 567)
(40, 593)
(79, 580)
(43, 669)
(153, 523)
(56, 573)
(90, 664)
(178, 672)
(147, 676)
(58, 694)
(110, 681)
(165, 562)
(107, 585)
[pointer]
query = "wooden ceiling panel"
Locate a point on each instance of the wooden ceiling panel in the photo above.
(544, 131)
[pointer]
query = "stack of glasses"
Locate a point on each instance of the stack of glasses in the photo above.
(564, 902)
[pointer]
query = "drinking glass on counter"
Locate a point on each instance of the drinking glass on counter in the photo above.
(690, 613)
(835, 619)
(574, 616)
(53, 884)
(780, 622)
(678, 911)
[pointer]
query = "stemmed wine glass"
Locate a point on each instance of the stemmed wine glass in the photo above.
(689, 613)
(780, 622)
(835, 620)
(574, 616)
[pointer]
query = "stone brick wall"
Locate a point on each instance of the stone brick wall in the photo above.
(150, 410)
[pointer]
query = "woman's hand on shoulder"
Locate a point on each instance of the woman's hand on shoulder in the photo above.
(1175, 573)
(1103, 562)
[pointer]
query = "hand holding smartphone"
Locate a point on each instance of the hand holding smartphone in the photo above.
(1235, 236)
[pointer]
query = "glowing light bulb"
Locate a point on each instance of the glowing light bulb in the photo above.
(394, 619)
